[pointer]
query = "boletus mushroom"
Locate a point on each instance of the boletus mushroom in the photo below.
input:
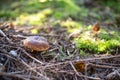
(36, 43)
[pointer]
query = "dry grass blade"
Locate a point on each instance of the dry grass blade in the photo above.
(3, 34)
(74, 68)
(103, 66)
(13, 75)
(18, 76)
(41, 75)
(88, 59)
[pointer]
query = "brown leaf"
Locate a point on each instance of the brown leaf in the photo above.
(11, 24)
(80, 66)
(96, 27)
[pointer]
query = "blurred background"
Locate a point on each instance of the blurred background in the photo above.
(37, 12)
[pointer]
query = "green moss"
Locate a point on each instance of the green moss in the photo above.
(71, 25)
(86, 45)
(104, 36)
(102, 44)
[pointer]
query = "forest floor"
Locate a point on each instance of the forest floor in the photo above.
(63, 60)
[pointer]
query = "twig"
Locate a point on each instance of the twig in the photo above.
(101, 63)
(88, 59)
(53, 49)
(70, 72)
(12, 75)
(32, 57)
(86, 77)
(24, 77)
(74, 68)
(17, 72)
(4, 25)
(102, 66)
(9, 56)
(3, 34)
(30, 71)
(42, 76)
(86, 65)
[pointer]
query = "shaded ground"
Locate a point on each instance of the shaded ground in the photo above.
(63, 61)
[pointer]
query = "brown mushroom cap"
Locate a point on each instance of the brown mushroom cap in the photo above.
(36, 43)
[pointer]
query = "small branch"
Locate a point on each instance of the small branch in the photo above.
(32, 57)
(3, 34)
(12, 75)
(101, 63)
(42, 76)
(74, 68)
(23, 77)
(102, 66)
(70, 72)
(88, 59)
(86, 65)
(4, 25)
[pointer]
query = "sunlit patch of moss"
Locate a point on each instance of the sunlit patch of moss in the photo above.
(103, 43)
(108, 46)
(108, 36)
(33, 19)
(71, 25)
(89, 27)
(42, 1)
(47, 11)
(86, 45)
(34, 31)
(57, 9)
(104, 36)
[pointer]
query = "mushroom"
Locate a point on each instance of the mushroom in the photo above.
(36, 43)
